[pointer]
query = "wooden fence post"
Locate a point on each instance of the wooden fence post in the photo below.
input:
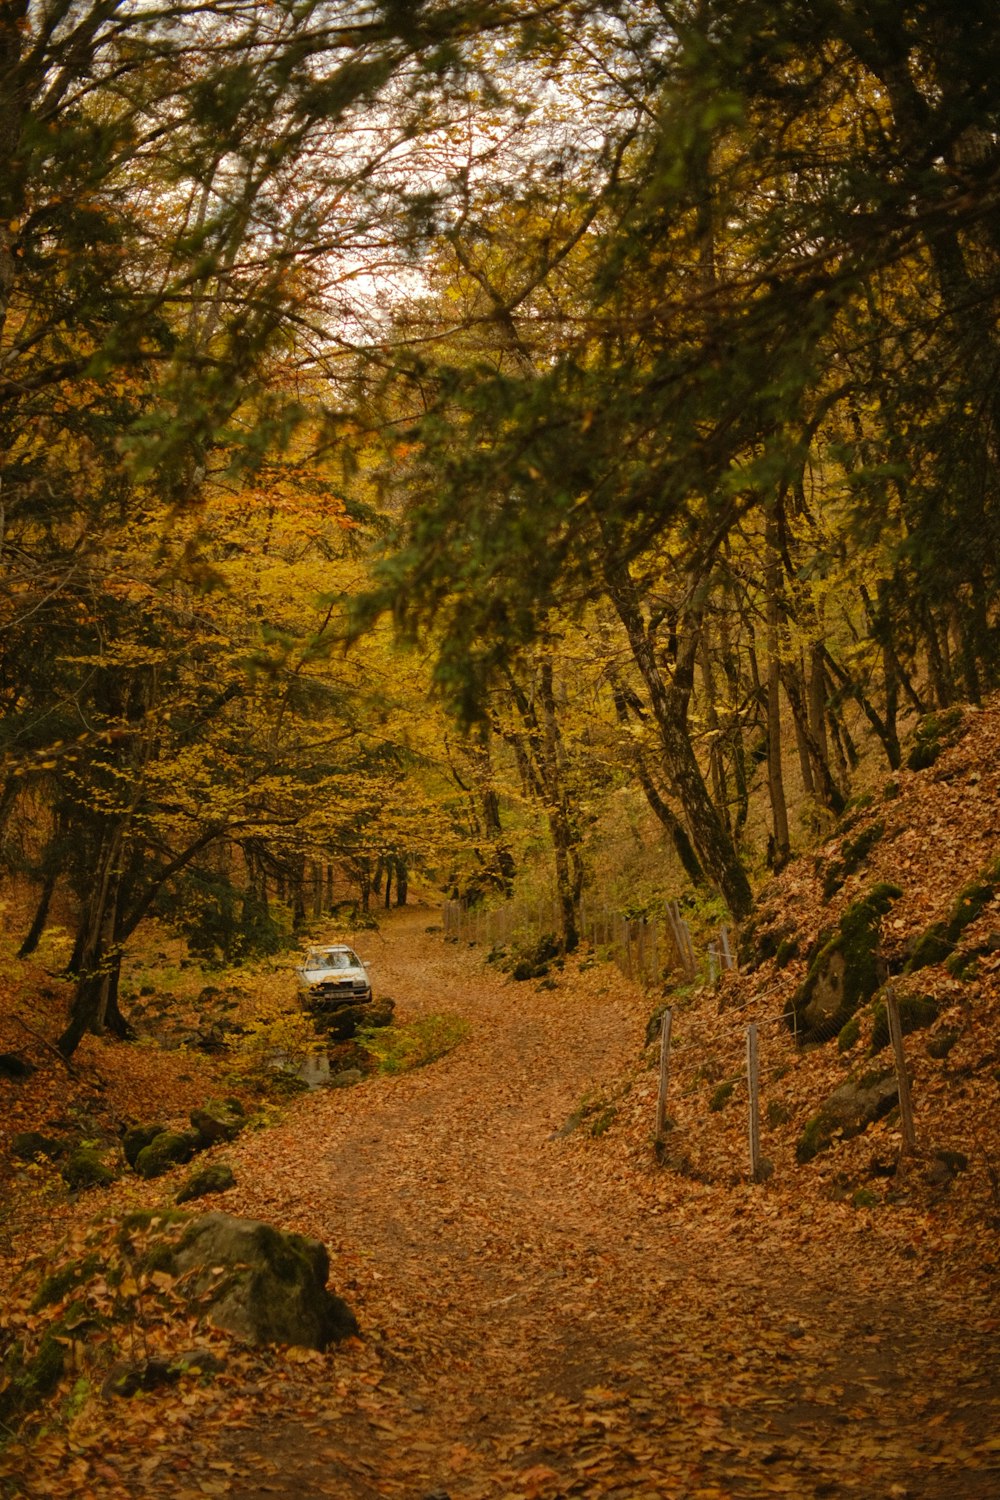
(692, 962)
(661, 1097)
(902, 1078)
(727, 954)
(753, 1088)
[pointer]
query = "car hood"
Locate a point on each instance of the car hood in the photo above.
(322, 976)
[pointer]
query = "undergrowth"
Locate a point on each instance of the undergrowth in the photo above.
(413, 1044)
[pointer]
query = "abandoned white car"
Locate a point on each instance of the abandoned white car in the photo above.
(334, 976)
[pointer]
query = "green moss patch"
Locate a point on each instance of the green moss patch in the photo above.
(848, 1111)
(843, 974)
(84, 1168)
(933, 734)
(722, 1095)
(938, 943)
(916, 1013)
(165, 1151)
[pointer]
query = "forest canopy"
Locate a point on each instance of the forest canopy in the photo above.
(636, 363)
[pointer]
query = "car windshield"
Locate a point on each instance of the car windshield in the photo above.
(331, 958)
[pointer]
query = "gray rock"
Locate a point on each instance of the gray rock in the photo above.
(216, 1122)
(346, 1079)
(850, 1109)
(262, 1285)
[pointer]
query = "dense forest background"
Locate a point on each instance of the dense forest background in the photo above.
(511, 442)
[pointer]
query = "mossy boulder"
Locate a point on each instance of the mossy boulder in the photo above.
(29, 1145)
(165, 1151)
(933, 734)
(531, 962)
(84, 1168)
(849, 1035)
(931, 947)
(215, 1121)
(843, 973)
(27, 1381)
(214, 1178)
(853, 854)
(127, 1378)
(764, 936)
(137, 1137)
(938, 943)
(345, 1022)
(916, 1013)
(850, 1109)
(788, 949)
(59, 1283)
(262, 1285)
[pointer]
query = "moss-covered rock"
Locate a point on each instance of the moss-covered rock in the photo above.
(722, 1095)
(263, 1285)
(165, 1151)
(346, 1021)
(29, 1145)
(850, 1109)
(843, 973)
(215, 1178)
(787, 949)
(58, 1283)
(939, 1046)
(137, 1137)
(849, 1035)
(916, 1013)
(938, 943)
(215, 1122)
(853, 854)
(27, 1381)
(764, 936)
(84, 1168)
(931, 947)
(933, 734)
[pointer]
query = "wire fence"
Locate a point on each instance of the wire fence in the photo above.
(650, 949)
(751, 1066)
(747, 1063)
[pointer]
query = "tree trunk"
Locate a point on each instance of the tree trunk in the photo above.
(709, 835)
(675, 829)
(37, 927)
(402, 882)
(95, 945)
(781, 847)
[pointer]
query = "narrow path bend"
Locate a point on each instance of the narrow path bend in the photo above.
(535, 1327)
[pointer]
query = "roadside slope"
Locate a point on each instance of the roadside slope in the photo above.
(547, 1314)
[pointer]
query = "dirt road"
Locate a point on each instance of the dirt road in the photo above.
(541, 1318)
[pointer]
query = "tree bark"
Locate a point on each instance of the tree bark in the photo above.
(709, 835)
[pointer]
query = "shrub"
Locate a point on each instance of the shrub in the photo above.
(413, 1045)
